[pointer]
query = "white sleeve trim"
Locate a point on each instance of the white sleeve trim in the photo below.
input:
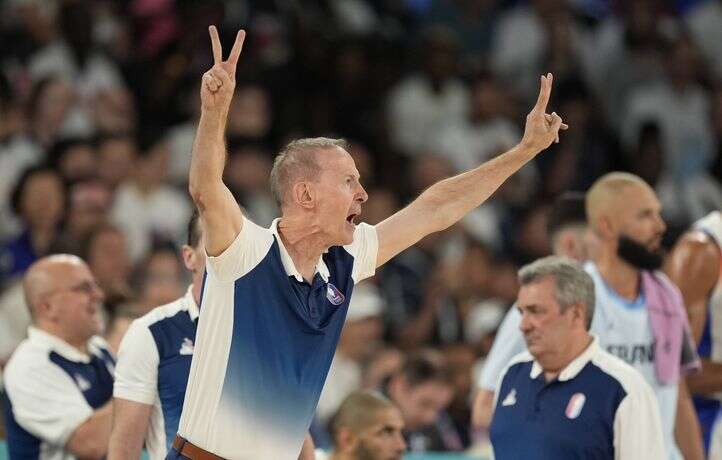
(637, 422)
(365, 250)
(45, 400)
(245, 252)
(638, 426)
(136, 371)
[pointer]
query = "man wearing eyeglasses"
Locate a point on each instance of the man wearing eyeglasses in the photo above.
(59, 381)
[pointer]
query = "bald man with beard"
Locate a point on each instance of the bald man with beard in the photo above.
(59, 381)
(624, 213)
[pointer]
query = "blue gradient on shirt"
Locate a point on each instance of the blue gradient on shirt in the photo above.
(284, 337)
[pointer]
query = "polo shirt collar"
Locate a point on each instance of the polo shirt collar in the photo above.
(288, 264)
(58, 345)
(190, 303)
(573, 368)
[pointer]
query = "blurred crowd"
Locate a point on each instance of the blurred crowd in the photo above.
(99, 103)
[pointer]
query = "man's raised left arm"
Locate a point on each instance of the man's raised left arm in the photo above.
(447, 201)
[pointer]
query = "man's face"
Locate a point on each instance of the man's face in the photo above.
(383, 440)
(545, 327)
(639, 227)
(339, 195)
(422, 403)
(75, 302)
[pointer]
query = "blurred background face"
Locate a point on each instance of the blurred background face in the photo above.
(43, 200)
(75, 304)
(52, 105)
(361, 338)
(163, 281)
(384, 439)
(250, 113)
(88, 209)
(116, 159)
(78, 161)
(420, 404)
(109, 260)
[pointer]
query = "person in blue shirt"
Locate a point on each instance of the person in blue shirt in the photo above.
(275, 299)
(566, 397)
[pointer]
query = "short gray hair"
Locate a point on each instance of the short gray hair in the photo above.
(573, 284)
(297, 160)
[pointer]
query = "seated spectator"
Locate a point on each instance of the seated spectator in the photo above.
(88, 208)
(146, 206)
(59, 381)
(106, 251)
(367, 426)
(39, 201)
(159, 278)
(421, 392)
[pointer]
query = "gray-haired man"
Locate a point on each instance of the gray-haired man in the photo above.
(569, 397)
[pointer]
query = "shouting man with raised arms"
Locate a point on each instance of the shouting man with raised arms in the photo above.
(274, 300)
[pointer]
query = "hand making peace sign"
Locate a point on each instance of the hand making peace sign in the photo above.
(219, 82)
(542, 128)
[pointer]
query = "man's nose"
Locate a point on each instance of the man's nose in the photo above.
(362, 195)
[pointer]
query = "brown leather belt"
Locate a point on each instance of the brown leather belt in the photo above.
(192, 451)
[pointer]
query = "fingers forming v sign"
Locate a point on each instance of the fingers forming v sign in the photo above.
(541, 128)
(220, 80)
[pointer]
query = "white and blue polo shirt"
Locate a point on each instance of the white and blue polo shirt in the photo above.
(623, 329)
(51, 388)
(153, 365)
(597, 408)
(265, 342)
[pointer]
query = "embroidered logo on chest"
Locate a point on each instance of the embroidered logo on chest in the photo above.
(575, 405)
(187, 347)
(334, 295)
(510, 399)
(82, 382)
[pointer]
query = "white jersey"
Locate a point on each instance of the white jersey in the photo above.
(623, 329)
(265, 342)
(153, 365)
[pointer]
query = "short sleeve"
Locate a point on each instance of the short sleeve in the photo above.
(638, 424)
(508, 343)
(365, 250)
(136, 371)
(245, 252)
(46, 402)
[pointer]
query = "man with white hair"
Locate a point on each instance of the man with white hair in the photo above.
(275, 300)
(59, 381)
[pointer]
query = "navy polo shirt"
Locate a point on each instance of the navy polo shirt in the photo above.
(597, 408)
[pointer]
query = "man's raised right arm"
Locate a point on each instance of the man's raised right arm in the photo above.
(221, 216)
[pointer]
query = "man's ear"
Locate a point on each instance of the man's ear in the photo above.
(188, 257)
(345, 440)
(304, 194)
